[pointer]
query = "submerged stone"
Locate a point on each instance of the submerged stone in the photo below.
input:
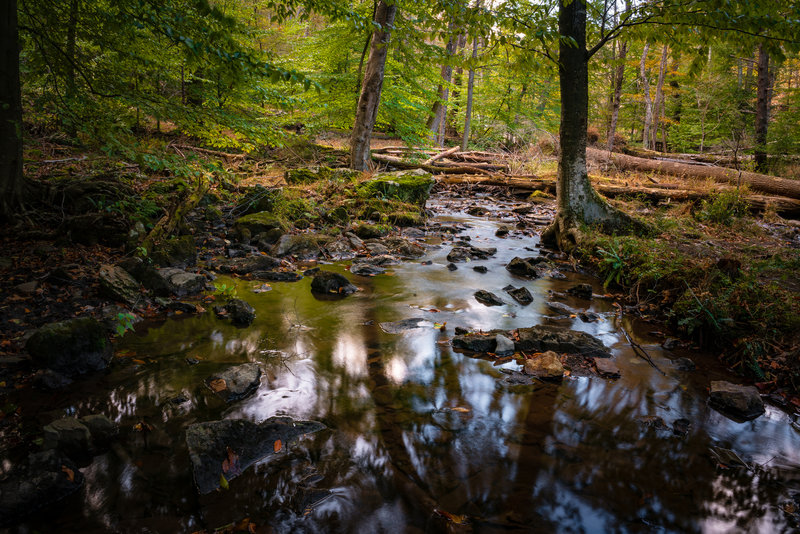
(238, 311)
(235, 383)
(546, 365)
(398, 327)
(330, 283)
(222, 450)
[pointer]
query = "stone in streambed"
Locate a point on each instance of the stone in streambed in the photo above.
(503, 345)
(741, 402)
(542, 338)
(546, 366)
(225, 449)
(606, 368)
(488, 299)
(182, 283)
(583, 291)
(238, 311)
(330, 283)
(72, 348)
(117, 284)
(235, 383)
(520, 294)
(365, 269)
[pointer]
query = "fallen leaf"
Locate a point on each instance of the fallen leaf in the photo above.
(455, 519)
(223, 482)
(138, 362)
(70, 473)
(278, 445)
(217, 385)
(460, 409)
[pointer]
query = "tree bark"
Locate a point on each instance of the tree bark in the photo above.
(762, 108)
(648, 104)
(438, 119)
(659, 100)
(577, 201)
(470, 93)
(367, 110)
(616, 99)
(11, 178)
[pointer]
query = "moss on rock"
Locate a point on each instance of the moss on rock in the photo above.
(407, 186)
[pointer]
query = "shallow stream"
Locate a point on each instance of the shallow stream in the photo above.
(421, 438)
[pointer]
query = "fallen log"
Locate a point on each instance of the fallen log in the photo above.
(757, 182)
(434, 169)
(440, 155)
(167, 225)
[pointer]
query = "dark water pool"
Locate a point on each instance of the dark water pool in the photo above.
(421, 438)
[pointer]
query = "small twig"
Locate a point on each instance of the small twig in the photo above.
(640, 352)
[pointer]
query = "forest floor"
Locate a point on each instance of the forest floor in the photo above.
(719, 276)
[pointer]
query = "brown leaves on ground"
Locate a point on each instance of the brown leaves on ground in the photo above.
(217, 385)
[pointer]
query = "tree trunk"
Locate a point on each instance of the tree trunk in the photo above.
(370, 97)
(762, 108)
(577, 201)
(648, 104)
(659, 101)
(470, 92)
(436, 124)
(11, 179)
(616, 99)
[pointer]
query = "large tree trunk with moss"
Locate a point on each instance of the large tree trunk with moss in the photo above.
(578, 203)
(367, 110)
(11, 179)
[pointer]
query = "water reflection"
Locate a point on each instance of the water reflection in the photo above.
(415, 428)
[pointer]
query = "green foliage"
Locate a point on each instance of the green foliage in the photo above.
(225, 291)
(723, 208)
(124, 322)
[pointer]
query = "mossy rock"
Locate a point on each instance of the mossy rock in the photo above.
(405, 218)
(175, 185)
(339, 215)
(310, 175)
(407, 186)
(259, 199)
(255, 223)
(73, 347)
(370, 231)
(176, 252)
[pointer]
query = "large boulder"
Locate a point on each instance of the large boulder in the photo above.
(741, 402)
(258, 262)
(176, 252)
(301, 245)
(235, 383)
(69, 436)
(403, 247)
(147, 275)
(525, 267)
(182, 283)
(407, 186)
(222, 450)
(259, 222)
(541, 338)
(72, 347)
(117, 284)
(42, 480)
(329, 283)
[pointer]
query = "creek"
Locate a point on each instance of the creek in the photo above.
(419, 437)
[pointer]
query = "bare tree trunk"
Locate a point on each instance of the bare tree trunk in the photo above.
(762, 108)
(452, 128)
(439, 111)
(676, 89)
(11, 179)
(367, 110)
(648, 104)
(470, 92)
(616, 99)
(659, 99)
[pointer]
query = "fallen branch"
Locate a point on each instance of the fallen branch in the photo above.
(640, 352)
(167, 225)
(440, 155)
(398, 162)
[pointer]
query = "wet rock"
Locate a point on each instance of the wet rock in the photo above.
(181, 283)
(311, 272)
(488, 299)
(276, 276)
(652, 421)
(542, 338)
(607, 368)
(546, 366)
(255, 223)
(42, 480)
(460, 331)
(235, 383)
(341, 249)
(178, 252)
(330, 283)
(249, 264)
(72, 348)
(467, 252)
(452, 267)
(264, 241)
(524, 210)
(227, 448)
(583, 291)
(117, 284)
(741, 402)
(503, 345)
(102, 429)
(681, 427)
(300, 245)
(365, 269)
(517, 382)
(398, 327)
(561, 309)
(369, 231)
(240, 250)
(480, 269)
(407, 186)
(414, 233)
(404, 248)
(69, 436)
(377, 249)
(502, 231)
(523, 267)
(383, 259)
(589, 316)
(684, 364)
(478, 211)
(355, 241)
(49, 379)
(147, 275)
(475, 342)
(670, 343)
(520, 294)
(238, 311)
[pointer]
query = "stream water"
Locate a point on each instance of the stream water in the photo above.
(421, 438)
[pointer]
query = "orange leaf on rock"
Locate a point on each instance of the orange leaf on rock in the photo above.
(217, 385)
(278, 445)
(455, 519)
(69, 472)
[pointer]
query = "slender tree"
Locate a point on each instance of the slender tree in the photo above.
(11, 179)
(763, 98)
(370, 97)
